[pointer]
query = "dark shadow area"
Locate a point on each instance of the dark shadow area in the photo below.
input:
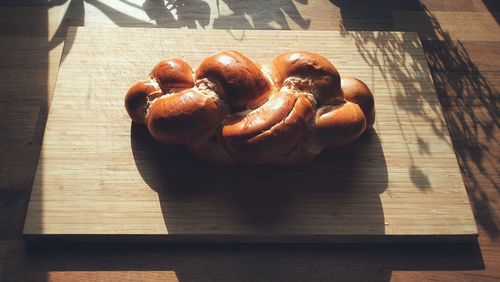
(419, 178)
(466, 98)
(362, 15)
(24, 103)
(246, 262)
(263, 15)
(493, 7)
(331, 195)
(459, 84)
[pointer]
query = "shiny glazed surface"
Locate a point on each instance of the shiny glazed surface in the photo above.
(231, 111)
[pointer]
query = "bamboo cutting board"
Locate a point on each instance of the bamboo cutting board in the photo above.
(101, 177)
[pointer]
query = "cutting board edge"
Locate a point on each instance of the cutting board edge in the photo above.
(218, 238)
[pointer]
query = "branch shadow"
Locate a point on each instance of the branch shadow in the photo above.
(177, 14)
(229, 262)
(465, 96)
(261, 14)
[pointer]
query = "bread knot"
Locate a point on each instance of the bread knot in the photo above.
(231, 110)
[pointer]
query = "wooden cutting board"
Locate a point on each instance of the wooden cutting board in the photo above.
(101, 177)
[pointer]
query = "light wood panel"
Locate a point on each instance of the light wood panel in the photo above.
(99, 175)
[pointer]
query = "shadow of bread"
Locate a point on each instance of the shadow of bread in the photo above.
(330, 199)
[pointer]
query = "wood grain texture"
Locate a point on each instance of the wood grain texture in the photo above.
(478, 153)
(100, 175)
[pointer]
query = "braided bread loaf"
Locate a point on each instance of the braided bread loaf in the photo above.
(233, 111)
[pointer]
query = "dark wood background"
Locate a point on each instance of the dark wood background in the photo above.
(460, 39)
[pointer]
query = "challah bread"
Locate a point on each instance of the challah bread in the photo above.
(137, 97)
(310, 72)
(173, 73)
(332, 127)
(231, 110)
(242, 83)
(357, 92)
(269, 131)
(184, 117)
(336, 126)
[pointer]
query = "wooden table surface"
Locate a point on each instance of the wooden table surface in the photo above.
(460, 40)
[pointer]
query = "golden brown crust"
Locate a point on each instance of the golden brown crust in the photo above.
(270, 131)
(336, 126)
(173, 73)
(243, 83)
(315, 74)
(184, 117)
(356, 91)
(137, 97)
(236, 111)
